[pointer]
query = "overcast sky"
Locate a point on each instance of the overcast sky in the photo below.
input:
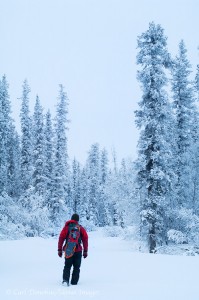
(90, 47)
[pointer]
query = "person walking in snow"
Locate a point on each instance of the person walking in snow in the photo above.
(73, 234)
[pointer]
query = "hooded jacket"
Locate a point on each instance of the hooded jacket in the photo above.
(64, 233)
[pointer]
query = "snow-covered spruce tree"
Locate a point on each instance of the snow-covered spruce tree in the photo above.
(3, 143)
(195, 149)
(9, 146)
(14, 166)
(60, 182)
(120, 193)
(184, 108)
(49, 157)
(26, 139)
(197, 82)
(10, 214)
(6, 136)
(193, 203)
(106, 218)
(104, 166)
(126, 207)
(154, 146)
(84, 196)
(93, 172)
(75, 186)
(93, 196)
(38, 158)
(112, 191)
(129, 192)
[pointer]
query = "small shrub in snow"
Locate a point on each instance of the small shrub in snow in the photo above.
(187, 222)
(191, 252)
(88, 225)
(176, 237)
(11, 219)
(131, 233)
(113, 231)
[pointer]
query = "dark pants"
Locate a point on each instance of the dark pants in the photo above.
(74, 261)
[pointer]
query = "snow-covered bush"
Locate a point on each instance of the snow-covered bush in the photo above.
(185, 221)
(131, 233)
(11, 217)
(191, 223)
(192, 252)
(88, 225)
(37, 218)
(176, 236)
(9, 230)
(113, 231)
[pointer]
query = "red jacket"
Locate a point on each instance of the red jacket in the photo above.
(63, 235)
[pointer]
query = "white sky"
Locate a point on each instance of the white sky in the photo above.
(90, 47)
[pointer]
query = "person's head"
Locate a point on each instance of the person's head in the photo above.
(75, 217)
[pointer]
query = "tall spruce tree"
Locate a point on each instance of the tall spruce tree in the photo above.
(197, 82)
(184, 108)
(105, 218)
(49, 157)
(7, 145)
(154, 148)
(14, 166)
(195, 149)
(61, 181)
(93, 166)
(75, 187)
(84, 195)
(4, 113)
(38, 177)
(26, 139)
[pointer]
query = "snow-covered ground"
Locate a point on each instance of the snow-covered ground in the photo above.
(31, 269)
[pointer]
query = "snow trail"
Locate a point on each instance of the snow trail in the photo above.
(31, 269)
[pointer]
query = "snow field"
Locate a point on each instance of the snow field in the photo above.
(31, 269)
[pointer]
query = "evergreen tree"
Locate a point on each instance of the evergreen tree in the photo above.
(84, 196)
(38, 178)
(120, 195)
(14, 167)
(197, 82)
(61, 169)
(125, 188)
(104, 166)
(7, 143)
(195, 149)
(26, 140)
(4, 134)
(75, 192)
(183, 102)
(105, 218)
(49, 157)
(154, 120)
(112, 191)
(93, 165)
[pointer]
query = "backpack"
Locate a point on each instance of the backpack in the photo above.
(72, 240)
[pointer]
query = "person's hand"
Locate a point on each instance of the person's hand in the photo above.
(60, 253)
(85, 254)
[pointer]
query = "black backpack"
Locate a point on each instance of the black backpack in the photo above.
(72, 240)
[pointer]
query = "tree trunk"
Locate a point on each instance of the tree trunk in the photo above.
(152, 241)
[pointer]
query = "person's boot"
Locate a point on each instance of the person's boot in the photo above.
(65, 283)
